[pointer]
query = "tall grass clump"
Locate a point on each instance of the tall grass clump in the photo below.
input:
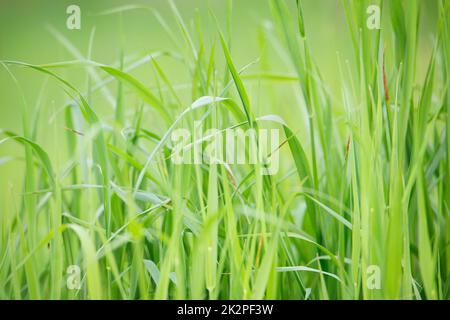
(359, 208)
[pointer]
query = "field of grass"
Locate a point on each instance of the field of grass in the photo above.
(92, 205)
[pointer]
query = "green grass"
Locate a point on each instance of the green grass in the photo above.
(364, 176)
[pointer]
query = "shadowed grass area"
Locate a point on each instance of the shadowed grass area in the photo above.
(359, 208)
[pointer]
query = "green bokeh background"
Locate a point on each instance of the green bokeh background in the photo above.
(25, 36)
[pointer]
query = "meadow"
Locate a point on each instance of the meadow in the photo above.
(353, 94)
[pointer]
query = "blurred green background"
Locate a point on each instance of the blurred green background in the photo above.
(25, 35)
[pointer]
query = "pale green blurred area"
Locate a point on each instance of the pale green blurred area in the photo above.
(25, 36)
